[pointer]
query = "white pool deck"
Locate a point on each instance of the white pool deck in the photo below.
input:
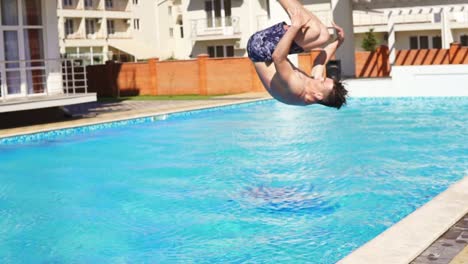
(402, 242)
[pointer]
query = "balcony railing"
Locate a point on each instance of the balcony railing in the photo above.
(24, 78)
(459, 17)
(120, 35)
(75, 35)
(379, 19)
(216, 27)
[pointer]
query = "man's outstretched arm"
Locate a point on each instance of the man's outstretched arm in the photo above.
(328, 52)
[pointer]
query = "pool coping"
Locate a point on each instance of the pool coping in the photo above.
(407, 239)
(111, 118)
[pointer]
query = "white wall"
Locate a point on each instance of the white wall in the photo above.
(412, 81)
(52, 49)
(457, 33)
(434, 80)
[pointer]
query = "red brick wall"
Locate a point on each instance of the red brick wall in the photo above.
(134, 79)
(372, 64)
(208, 76)
(177, 77)
(230, 76)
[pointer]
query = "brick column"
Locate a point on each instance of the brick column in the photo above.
(153, 69)
(202, 74)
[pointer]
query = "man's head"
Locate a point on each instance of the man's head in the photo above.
(330, 93)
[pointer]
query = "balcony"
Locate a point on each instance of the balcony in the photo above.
(216, 28)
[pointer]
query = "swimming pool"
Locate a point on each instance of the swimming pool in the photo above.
(257, 183)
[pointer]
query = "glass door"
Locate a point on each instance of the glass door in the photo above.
(22, 67)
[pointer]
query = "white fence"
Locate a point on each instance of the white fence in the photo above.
(29, 78)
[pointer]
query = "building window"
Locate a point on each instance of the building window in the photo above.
(436, 42)
(229, 51)
(171, 32)
(23, 39)
(181, 31)
(423, 42)
(169, 10)
(110, 27)
(136, 24)
(88, 3)
(67, 2)
(464, 40)
(414, 43)
(90, 26)
(9, 13)
(69, 28)
(109, 3)
(135, 2)
(220, 51)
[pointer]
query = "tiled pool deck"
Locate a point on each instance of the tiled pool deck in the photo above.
(416, 233)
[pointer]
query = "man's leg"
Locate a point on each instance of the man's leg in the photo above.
(315, 35)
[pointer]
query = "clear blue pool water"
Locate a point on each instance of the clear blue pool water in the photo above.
(261, 183)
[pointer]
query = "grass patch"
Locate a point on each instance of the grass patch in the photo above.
(155, 98)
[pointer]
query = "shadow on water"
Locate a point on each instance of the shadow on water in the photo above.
(295, 199)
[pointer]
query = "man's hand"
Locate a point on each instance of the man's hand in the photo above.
(339, 32)
(299, 18)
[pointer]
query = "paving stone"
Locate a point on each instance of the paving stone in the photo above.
(447, 247)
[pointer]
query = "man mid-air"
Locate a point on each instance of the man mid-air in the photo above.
(269, 48)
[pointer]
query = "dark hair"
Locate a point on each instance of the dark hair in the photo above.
(337, 96)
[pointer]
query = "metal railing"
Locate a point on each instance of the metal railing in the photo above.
(27, 78)
(219, 26)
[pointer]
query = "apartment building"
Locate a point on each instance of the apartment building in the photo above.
(99, 30)
(221, 28)
(417, 24)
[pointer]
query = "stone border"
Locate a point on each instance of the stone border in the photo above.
(123, 117)
(407, 239)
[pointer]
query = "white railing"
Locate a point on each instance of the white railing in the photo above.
(378, 19)
(220, 26)
(26, 78)
(369, 19)
(459, 17)
(74, 76)
(120, 35)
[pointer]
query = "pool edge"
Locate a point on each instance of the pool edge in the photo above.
(111, 119)
(408, 238)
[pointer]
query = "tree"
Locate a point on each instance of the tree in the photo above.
(370, 42)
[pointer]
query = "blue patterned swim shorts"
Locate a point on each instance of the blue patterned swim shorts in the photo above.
(262, 44)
